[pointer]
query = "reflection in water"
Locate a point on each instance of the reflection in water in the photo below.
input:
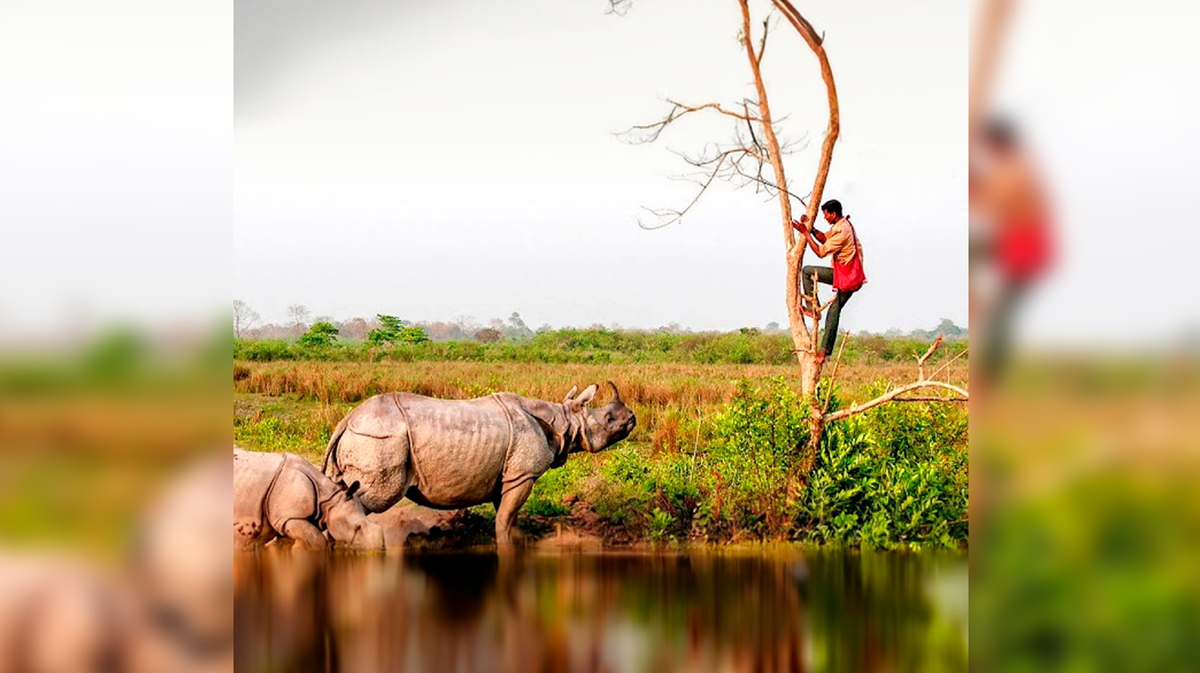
(630, 611)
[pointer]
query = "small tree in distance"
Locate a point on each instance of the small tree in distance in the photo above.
(394, 330)
(299, 314)
(244, 317)
(321, 335)
(487, 335)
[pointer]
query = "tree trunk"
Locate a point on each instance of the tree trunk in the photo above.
(810, 374)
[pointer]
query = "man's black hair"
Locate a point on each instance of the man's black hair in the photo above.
(1000, 132)
(834, 206)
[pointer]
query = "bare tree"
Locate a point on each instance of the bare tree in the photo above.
(356, 329)
(299, 314)
(244, 318)
(753, 156)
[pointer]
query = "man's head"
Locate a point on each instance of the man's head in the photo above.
(832, 210)
(1000, 136)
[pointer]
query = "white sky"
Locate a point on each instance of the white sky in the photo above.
(385, 161)
(115, 163)
(441, 159)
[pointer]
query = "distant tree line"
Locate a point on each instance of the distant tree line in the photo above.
(388, 329)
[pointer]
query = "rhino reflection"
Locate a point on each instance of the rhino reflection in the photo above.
(604, 612)
(471, 612)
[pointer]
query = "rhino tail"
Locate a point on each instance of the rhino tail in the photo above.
(331, 450)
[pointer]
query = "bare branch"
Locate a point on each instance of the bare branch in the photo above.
(714, 106)
(951, 361)
(962, 395)
(837, 365)
(770, 187)
(894, 394)
(762, 45)
(618, 7)
(750, 126)
(921, 360)
(674, 216)
(815, 42)
(678, 110)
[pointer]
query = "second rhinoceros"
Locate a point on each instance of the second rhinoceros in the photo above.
(282, 495)
(449, 454)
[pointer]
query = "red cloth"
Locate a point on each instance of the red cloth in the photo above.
(849, 276)
(1024, 248)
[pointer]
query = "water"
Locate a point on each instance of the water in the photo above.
(621, 612)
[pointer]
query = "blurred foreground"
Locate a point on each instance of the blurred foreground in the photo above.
(114, 519)
(748, 610)
(1085, 429)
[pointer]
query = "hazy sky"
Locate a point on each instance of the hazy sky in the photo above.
(443, 159)
(115, 163)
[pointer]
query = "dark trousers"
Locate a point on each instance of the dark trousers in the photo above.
(834, 312)
(998, 341)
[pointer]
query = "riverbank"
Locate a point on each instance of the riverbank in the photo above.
(719, 456)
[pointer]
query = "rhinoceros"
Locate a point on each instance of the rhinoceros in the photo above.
(282, 495)
(449, 454)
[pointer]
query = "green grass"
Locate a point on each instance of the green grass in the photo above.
(720, 453)
(594, 346)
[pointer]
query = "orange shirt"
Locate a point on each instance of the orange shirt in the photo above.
(840, 241)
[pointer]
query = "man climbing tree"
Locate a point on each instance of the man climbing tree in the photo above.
(754, 157)
(846, 275)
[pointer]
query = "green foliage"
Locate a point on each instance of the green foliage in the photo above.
(394, 330)
(551, 491)
(320, 335)
(893, 477)
(759, 440)
(397, 340)
(660, 524)
(750, 480)
(115, 355)
(863, 491)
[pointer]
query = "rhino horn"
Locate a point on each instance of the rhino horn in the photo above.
(616, 393)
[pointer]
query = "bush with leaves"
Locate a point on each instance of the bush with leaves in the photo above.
(394, 330)
(759, 441)
(320, 335)
(876, 483)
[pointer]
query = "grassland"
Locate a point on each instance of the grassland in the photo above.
(718, 454)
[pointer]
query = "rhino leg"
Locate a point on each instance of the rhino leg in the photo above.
(506, 514)
(381, 467)
(305, 534)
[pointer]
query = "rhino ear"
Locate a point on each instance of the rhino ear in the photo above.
(587, 395)
(567, 399)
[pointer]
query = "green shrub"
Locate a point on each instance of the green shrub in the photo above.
(861, 492)
(320, 335)
(396, 339)
(660, 524)
(394, 330)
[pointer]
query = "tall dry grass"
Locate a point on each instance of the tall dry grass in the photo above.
(672, 401)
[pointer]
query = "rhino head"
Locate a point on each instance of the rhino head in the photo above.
(602, 427)
(348, 524)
